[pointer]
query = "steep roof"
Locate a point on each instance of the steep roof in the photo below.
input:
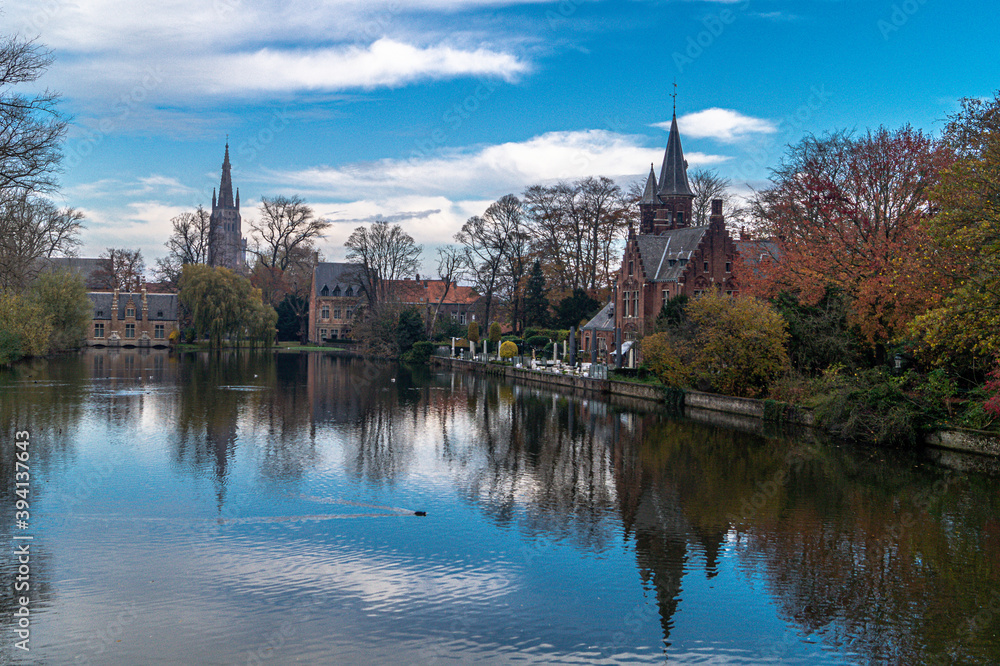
(336, 274)
(665, 256)
(603, 320)
(673, 173)
(160, 307)
(226, 186)
(649, 194)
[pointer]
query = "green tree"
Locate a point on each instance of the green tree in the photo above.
(473, 333)
(672, 315)
(495, 333)
(741, 343)
(965, 329)
(63, 296)
(536, 302)
(225, 306)
(409, 330)
(575, 309)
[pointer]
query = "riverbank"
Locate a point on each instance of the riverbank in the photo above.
(707, 407)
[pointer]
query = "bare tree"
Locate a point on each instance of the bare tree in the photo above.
(383, 254)
(188, 244)
(487, 242)
(30, 127)
(452, 267)
(32, 229)
(707, 185)
(120, 268)
(286, 224)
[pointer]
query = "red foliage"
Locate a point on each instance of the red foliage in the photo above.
(847, 213)
(993, 386)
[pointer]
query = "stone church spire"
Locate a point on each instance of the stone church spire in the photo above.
(226, 187)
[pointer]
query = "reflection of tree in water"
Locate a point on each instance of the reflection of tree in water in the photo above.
(852, 555)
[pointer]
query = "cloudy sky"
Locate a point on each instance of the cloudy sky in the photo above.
(424, 111)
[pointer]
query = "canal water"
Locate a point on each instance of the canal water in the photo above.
(242, 509)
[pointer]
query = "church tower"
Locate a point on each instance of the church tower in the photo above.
(667, 203)
(226, 247)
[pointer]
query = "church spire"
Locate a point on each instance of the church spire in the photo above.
(226, 187)
(649, 194)
(673, 174)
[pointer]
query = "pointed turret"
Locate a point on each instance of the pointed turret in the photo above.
(649, 194)
(226, 187)
(213, 198)
(237, 198)
(673, 174)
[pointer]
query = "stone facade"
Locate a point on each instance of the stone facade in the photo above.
(226, 246)
(123, 319)
(333, 301)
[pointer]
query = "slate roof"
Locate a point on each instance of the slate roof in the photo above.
(754, 251)
(603, 320)
(337, 274)
(673, 174)
(84, 266)
(162, 307)
(649, 194)
(665, 256)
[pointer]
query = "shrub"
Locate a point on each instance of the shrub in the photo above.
(508, 350)
(741, 343)
(420, 353)
(537, 341)
(495, 333)
(663, 355)
(473, 334)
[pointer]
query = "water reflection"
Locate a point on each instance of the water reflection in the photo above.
(661, 530)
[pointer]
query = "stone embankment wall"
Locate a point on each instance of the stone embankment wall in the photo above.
(701, 404)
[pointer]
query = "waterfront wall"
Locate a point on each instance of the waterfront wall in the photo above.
(702, 406)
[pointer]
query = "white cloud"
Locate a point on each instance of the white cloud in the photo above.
(490, 170)
(721, 124)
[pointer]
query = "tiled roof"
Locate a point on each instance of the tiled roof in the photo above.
(161, 307)
(334, 275)
(665, 256)
(603, 321)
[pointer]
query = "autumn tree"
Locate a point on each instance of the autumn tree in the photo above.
(120, 268)
(33, 229)
(740, 343)
(383, 253)
(848, 213)
(62, 295)
(965, 327)
(707, 186)
(486, 241)
(188, 244)
(31, 128)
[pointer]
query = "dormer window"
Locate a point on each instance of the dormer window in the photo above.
(100, 313)
(684, 262)
(159, 313)
(325, 291)
(336, 291)
(130, 312)
(673, 262)
(349, 292)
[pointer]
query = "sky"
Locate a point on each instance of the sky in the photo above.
(423, 112)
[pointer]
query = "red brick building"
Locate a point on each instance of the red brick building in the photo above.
(667, 257)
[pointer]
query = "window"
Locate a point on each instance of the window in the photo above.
(159, 313)
(129, 312)
(666, 295)
(334, 334)
(706, 266)
(729, 267)
(324, 312)
(336, 313)
(336, 291)
(684, 262)
(349, 292)
(698, 292)
(635, 304)
(98, 330)
(348, 314)
(631, 267)
(158, 331)
(129, 330)
(625, 304)
(672, 262)
(325, 291)
(680, 218)
(100, 313)
(322, 334)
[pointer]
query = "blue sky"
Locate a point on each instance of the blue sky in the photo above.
(425, 111)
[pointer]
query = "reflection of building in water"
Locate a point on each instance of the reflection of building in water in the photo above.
(340, 388)
(132, 365)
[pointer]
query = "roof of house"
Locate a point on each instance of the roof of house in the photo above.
(665, 256)
(673, 173)
(334, 275)
(161, 307)
(84, 266)
(603, 320)
(430, 291)
(755, 251)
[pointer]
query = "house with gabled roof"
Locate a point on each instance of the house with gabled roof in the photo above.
(334, 298)
(667, 256)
